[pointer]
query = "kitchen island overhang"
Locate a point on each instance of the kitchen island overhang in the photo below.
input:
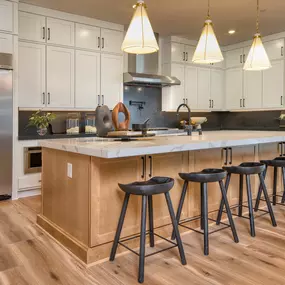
(81, 209)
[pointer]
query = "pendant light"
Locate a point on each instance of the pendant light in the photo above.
(257, 58)
(140, 38)
(208, 49)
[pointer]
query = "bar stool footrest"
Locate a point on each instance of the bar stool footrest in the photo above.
(245, 217)
(181, 223)
(121, 242)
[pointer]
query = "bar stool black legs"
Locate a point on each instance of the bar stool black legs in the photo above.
(120, 226)
(204, 177)
(157, 185)
(248, 169)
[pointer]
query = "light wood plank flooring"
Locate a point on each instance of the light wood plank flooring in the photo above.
(29, 256)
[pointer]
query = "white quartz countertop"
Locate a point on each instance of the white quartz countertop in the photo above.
(109, 148)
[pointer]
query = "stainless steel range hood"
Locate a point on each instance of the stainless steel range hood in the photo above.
(143, 71)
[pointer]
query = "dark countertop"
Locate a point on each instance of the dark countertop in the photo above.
(54, 136)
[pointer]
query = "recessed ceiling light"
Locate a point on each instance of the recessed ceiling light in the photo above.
(231, 32)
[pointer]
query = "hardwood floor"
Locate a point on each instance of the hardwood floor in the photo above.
(29, 256)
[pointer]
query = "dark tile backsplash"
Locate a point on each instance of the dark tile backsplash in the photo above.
(150, 99)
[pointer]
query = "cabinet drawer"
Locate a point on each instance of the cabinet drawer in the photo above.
(31, 181)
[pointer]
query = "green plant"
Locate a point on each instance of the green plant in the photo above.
(282, 117)
(40, 119)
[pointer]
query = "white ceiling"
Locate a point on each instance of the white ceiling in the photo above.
(184, 17)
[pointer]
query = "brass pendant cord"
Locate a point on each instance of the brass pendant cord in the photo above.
(257, 17)
(208, 9)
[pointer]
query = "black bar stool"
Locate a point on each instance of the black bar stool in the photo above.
(278, 162)
(247, 169)
(204, 177)
(156, 185)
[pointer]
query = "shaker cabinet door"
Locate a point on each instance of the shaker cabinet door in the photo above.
(217, 89)
(234, 89)
(252, 91)
(87, 82)
(273, 85)
(111, 41)
(88, 37)
(60, 77)
(6, 16)
(32, 75)
(32, 27)
(111, 79)
(191, 86)
(204, 88)
(60, 32)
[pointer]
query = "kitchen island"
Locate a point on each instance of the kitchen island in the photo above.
(81, 201)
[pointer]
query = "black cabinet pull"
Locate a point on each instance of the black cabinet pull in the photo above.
(48, 98)
(244, 103)
(186, 56)
(44, 33)
(44, 98)
(102, 100)
(244, 58)
(48, 34)
(226, 150)
(143, 167)
(99, 42)
(231, 156)
(210, 102)
(282, 51)
(281, 100)
(103, 43)
(150, 166)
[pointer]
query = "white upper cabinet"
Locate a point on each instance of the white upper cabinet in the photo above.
(217, 89)
(177, 52)
(191, 86)
(275, 49)
(87, 86)
(6, 16)
(234, 88)
(32, 27)
(6, 43)
(111, 41)
(32, 75)
(88, 37)
(273, 85)
(189, 52)
(111, 79)
(204, 82)
(60, 77)
(234, 58)
(252, 89)
(60, 32)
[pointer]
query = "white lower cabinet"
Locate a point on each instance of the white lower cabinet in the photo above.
(87, 82)
(32, 75)
(60, 77)
(234, 88)
(111, 80)
(273, 85)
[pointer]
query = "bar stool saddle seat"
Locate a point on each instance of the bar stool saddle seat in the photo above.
(156, 185)
(204, 176)
(246, 168)
(276, 162)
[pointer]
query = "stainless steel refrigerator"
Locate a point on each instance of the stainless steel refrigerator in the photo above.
(6, 125)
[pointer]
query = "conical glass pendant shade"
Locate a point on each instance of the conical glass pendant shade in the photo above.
(257, 58)
(208, 49)
(140, 38)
